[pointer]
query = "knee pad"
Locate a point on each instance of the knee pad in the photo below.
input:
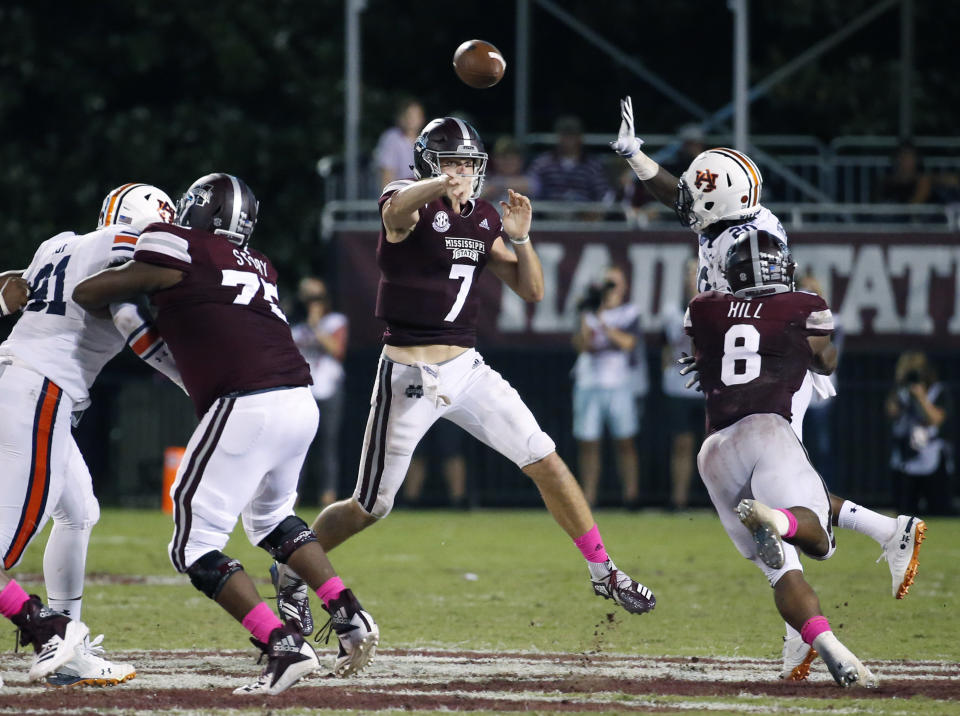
(211, 572)
(286, 538)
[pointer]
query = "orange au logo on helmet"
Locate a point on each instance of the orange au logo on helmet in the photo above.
(166, 211)
(706, 177)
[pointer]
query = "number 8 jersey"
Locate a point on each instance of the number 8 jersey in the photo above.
(223, 321)
(427, 292)
(752, 354)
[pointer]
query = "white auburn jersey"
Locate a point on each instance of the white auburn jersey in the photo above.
(56, 337)
(712, 254)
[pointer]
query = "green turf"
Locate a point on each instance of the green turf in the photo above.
(531, 589)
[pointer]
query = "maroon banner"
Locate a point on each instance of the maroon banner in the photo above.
(883, 288)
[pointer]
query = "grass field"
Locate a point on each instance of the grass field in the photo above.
(510, 581)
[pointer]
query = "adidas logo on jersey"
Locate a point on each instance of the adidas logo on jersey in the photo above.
(484, 224)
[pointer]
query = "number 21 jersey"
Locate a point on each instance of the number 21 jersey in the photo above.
(752, 355)
(56, 337)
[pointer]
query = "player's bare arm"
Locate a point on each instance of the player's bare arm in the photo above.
(824, 355)
(658, 181)
(401, 211)
(520, 269)
(123, 283)
(14, 292)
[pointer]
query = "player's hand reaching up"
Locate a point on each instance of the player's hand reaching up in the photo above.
(517, 215)
(627, 144)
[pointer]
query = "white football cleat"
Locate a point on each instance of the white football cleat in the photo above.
(845, 668)
(89, 668)
(901, 552)
(797, 658)
(759, 519)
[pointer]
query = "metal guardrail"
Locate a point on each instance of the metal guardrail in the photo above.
(363, 215)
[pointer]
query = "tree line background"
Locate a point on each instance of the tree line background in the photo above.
(96, 94)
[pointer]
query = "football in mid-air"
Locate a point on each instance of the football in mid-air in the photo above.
(479, 64)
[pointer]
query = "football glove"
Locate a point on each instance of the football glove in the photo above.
(627, 144)
(689, 365)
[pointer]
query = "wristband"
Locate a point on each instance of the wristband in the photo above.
(3, 304)
(521, 240)
(643, 166)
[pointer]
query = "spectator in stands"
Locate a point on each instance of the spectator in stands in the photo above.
(683, 406)
(444, 441)
(506, 171)
(610, 382)
(906, 183)
(566, 172)
(395, 146)
(819, 423)
(921, 412)
(322, 339)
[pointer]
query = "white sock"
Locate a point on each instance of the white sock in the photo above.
(64, 562)
(867, 522)
(791, 632)
(600, 570)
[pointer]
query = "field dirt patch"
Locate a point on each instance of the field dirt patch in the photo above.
(417, 680)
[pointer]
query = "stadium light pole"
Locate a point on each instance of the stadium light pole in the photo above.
(352, 79)
(521, 73)
(906, 69)
(741, 79)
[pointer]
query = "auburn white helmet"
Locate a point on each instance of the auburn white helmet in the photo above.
(136, 205)
(719, 184)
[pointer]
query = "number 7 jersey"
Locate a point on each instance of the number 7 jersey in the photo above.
(222, 322)
(752, 355)
(427, 292)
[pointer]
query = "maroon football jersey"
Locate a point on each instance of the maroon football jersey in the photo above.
(426, 286)
(752, 354)
(223, 321)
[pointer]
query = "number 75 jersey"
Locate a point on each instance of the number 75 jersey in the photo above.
(222, 321)
(752, 355)
(56, 337)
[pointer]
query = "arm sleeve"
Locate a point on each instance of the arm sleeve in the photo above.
(819, 319)
(144, 340)
(163, 248)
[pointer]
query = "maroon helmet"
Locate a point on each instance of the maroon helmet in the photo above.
(759, 264)
(449, 137)
(221, 204)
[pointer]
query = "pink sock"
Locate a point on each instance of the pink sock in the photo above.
(330, 590)
(591, 546)
(814, 627)
(260, 621)
(792, 526)
(12, 598)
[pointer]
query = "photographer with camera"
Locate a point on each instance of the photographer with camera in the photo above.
(610, 381)
(921, 411)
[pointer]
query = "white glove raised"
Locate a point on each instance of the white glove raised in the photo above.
(627, 144)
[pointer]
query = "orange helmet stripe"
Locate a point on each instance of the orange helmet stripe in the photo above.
(108, 218)
(748, 166)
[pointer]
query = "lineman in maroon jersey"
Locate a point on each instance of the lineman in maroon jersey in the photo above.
(218, 311)
(436, 238)
(753, 348)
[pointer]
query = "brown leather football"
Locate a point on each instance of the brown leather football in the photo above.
(479, 64)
